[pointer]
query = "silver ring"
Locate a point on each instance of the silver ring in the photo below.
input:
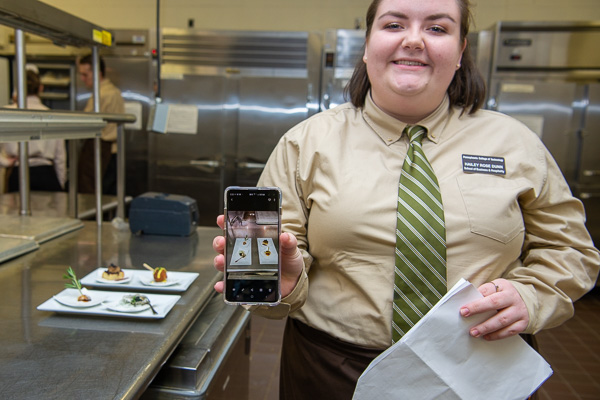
(496, 286)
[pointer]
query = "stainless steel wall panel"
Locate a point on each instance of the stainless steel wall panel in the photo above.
(268, 108)
(208, 95)
(587, 187)
(547, 74)
(235, 50)
(547, 108)
(193, 165)
(250, 88)
(589, 172)
(548, 49)
(342, 49)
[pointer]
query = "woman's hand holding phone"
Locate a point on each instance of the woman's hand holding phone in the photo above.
(291, 259)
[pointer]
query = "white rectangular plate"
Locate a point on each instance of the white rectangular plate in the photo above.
(162, 303)
(272, 258)
(245, 246)
(141, 280)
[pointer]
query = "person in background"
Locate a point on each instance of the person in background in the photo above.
(515, 232)
(111, 102)
(47, 158)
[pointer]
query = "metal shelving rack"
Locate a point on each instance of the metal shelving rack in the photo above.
(24, 125)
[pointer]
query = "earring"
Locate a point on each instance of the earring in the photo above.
(458, 66)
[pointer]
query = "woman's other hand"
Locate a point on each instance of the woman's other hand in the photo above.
(291, 259)
(512, 317)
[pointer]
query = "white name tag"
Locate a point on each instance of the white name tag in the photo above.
(483, 164)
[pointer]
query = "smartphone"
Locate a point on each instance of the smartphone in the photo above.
(252, 256)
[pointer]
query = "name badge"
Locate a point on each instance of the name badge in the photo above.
(483, 164)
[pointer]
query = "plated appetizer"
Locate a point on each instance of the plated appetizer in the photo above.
(159, 274)
(75, 283)
(133, 303)
(242, 255)
(113, 273)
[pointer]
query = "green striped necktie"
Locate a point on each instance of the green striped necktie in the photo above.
(420, 273)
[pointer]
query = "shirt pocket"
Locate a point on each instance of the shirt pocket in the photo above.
(492, 206)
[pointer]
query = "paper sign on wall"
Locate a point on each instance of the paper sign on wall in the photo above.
(174, 118)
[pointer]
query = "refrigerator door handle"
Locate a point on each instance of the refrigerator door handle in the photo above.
(587, 195)
(206, 165)
(591, 172)
(251, 165)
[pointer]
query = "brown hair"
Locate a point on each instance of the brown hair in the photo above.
(467, 89)
(33, 83)
(90, 61)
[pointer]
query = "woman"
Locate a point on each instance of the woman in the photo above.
(47, 158)
(516, 233)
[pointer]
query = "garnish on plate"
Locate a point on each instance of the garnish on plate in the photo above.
(75, 284)
(136, 300)
(159, 274)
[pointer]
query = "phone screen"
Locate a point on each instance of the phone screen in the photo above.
(252, 228)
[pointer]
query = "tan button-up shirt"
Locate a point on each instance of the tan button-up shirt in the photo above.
(339, 172)
(111, 102)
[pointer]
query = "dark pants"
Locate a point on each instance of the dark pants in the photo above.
(41, 178)
(109, 180)
(315, 365)
(86, 181)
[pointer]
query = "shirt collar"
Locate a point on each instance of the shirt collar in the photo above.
(390, 129)
(105, 82)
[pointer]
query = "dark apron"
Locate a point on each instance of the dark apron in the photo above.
(41, 178)
(86, 181)
(315, 365)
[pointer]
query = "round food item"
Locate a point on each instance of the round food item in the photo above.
(113, 273)
(84, 297)
(265, 242)
(160, 274)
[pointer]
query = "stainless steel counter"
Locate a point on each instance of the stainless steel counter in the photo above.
(56, 204)
(53, 356)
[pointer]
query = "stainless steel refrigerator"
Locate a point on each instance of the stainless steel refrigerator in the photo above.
(546, 75)
(248, 89)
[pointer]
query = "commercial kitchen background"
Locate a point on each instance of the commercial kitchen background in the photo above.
(252, 69)
(276, 24)
(298, 15)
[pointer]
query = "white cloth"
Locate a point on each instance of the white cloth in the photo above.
(41, 152)
(451, 365)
